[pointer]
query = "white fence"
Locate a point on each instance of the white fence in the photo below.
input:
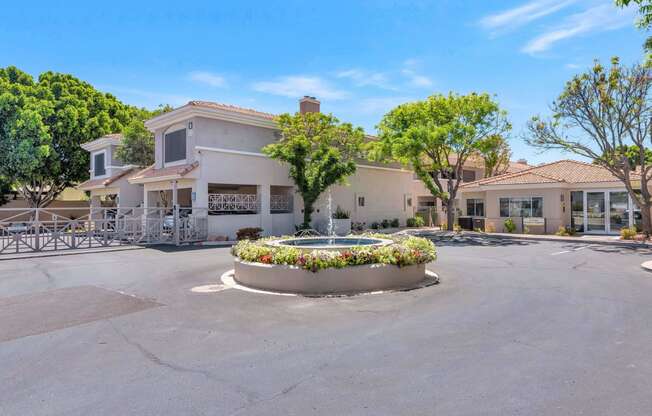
(43, 229)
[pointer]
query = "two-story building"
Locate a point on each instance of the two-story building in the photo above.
(108, 184)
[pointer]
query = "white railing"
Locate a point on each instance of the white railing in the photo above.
(280, 203)
(237, 203)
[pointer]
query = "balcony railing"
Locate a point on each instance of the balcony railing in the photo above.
(233, 203)
(280, 203)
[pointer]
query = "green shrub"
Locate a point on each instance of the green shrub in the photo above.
(340, 214)
(248, 233)
(457, 228)
(395, 223)
(565, 231)
(628, 233)
(385, 223)
(357, 226)
(415, 222)
(375, 225)
(403, 251)
(509, 225)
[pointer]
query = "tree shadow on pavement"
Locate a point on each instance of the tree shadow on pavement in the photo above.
(460, 240)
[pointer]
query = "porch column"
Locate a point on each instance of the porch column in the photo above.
(175, 200)
(264, 196)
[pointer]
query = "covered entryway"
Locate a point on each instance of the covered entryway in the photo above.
(603, 211)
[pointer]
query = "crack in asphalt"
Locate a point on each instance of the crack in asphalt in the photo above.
(251, 397)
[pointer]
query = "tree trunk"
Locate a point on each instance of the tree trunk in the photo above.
(646, 219)
(450, 214)
(308, 209)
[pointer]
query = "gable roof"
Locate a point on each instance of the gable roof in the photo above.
(102, 142)
(150, 174)
(562, 172)
(103, 182)
(232, 108)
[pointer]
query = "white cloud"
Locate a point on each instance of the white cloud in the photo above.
(415, 79)
(596, 19)
(208, 78)
(363, 78)
(299, 85)
(521, 15)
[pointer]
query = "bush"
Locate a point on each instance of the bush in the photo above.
(489, 228)
(357, 226)
(565, 231)
(375, 225)
(509, 225)
(385, 223)
(415, 222)
(628, 233)
(249, 233)
(403, 251)
(457, 228)
(395, 223)
(340, 214)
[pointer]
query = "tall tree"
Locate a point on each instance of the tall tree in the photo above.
(320, 152)
(496, 154)
(42, 124)
(606, 115)
(436, 136)
(644, 21)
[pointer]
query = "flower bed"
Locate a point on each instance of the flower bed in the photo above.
(403, 251)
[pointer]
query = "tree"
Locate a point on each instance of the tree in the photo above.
(43, 123)
(137, 145)
(436, 136)
(644, 21)
(605, 115)
(496, 154)
(320, 152)
(5, 188)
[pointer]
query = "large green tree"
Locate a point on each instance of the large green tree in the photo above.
(42, 124)
(435, 137)
(644, 21)
(496, 154)
(137, 145)
(319, 151)
(605, 115)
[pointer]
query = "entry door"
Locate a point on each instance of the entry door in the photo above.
(595, 210)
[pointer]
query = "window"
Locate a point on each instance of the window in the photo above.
(475, 207)
(468, 175)
(448, 174)
(521, 207)
(98, 164)
(361, 201)
(174, 146)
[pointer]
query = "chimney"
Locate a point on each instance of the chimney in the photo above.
(308, 104)
(522, 161)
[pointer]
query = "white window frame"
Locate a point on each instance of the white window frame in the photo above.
(173, 129)
(543, 201)
(106, 163)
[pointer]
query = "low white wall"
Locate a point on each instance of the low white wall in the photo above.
(229, 224)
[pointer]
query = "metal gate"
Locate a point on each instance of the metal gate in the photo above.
(49, 229)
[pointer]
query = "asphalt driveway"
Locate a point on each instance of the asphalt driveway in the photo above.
(515, 327)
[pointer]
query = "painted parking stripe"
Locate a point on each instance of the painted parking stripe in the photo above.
(570, 251)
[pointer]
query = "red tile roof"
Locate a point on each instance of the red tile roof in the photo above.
(103, 182)
(233, 108)
(151, 173)
(563, 171)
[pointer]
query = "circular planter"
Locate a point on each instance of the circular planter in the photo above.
(353, 279)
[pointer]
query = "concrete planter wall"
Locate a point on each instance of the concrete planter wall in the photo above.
(342, 226)
(365, 278)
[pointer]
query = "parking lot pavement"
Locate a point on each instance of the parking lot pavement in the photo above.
(514, 327)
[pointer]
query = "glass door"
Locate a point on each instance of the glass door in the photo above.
(618, 212)
(577, 210)
(595, 207)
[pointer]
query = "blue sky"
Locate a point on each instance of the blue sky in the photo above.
(360, 58)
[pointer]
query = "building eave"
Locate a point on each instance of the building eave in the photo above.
(189, 111)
